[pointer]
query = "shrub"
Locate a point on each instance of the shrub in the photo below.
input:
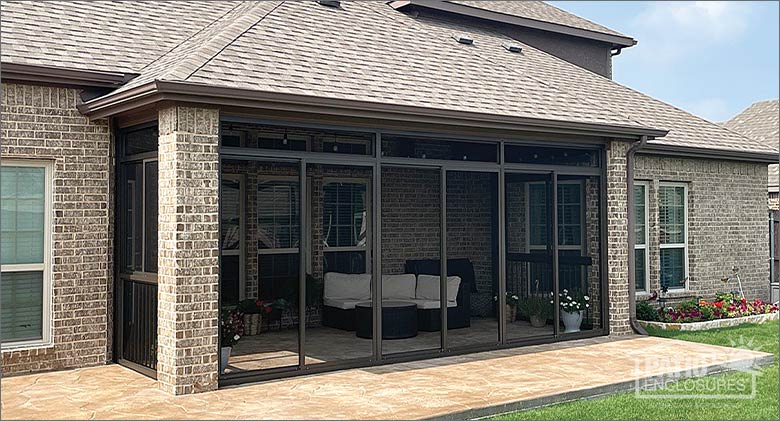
(536, 306)
(644, 311)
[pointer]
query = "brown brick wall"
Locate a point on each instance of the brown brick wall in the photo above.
(728, 221)
(188, 251)
(40, 122)
(617, 240)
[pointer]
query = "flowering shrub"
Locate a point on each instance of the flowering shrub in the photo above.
(726, 306)
(572, 302)
(512, 299)
(231, 327)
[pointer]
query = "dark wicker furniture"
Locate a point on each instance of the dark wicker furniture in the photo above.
(399, 320)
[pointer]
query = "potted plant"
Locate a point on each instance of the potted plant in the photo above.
(573, 306)
(252, 318)
(510, 301)
(231, 330)
(537, 308)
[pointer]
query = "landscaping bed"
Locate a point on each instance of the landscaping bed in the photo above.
(699, 314)
(710, 324)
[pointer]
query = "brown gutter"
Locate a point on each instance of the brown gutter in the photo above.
(62, 76)
(630, 155)
(236, 97)
(727, 154)
(460, 9)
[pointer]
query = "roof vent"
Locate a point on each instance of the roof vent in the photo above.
(330, 3)
(512, 47)
(463, 39)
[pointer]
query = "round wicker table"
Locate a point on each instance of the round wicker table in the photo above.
(399, 320)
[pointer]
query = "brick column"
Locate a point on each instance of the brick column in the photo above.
(188, 273)
(617, 238)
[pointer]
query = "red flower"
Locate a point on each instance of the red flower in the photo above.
(743, 300)
(718, 304)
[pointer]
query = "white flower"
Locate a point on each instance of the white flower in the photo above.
(514, 297)
(552, 302)
(565, 291)
(587, 305)
(568, 298)
(235, 338)
(586, 298)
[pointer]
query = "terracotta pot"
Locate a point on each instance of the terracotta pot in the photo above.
(571, 321)
(538, 320)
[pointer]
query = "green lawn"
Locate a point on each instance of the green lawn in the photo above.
(626, 406)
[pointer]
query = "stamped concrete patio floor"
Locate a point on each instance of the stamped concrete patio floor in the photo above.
(454, 387)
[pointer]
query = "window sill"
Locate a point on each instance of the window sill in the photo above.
(27, 346)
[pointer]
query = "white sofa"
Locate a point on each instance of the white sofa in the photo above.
(343, 291)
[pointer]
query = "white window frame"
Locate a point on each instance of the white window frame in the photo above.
(46, 266)
(644, 247)
(684, 244)
(369, 222)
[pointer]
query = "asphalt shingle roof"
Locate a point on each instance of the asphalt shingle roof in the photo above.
(362, 51)
(99, 35)
(538, 10)
(761, 121)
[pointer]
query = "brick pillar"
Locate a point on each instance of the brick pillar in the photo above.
(188, 273)
(617, 238)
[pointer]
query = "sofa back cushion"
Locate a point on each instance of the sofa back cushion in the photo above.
(399, 287)
(428, 287)
(343, 286)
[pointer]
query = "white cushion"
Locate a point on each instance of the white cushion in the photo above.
(342, 286)
(428, 287)
(401, 287)
(432, 304)
(342, 304)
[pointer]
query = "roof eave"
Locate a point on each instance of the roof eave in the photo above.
(444, 6)
(729, 154)
(157, 91)
(51, 75)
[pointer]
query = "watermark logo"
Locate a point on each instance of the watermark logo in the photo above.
(688, 376)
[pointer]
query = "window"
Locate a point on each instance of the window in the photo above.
(345, 226)
(640, 228)
(279, 232)
(138, 224)
(25, 243)
(673, 222)
(570, 234)
(569, 214)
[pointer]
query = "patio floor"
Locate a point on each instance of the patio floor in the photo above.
(455, 387)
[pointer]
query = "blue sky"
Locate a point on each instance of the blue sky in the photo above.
(710, 58)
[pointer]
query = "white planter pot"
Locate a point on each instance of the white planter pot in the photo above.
(571, 321)
(224, 357)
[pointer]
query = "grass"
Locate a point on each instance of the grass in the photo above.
(626, 406)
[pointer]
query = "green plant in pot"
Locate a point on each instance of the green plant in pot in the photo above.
(538, 308)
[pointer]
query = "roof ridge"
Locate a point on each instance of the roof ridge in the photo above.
(250, 14)
(190, 37)
(537, 80)
(193, 53)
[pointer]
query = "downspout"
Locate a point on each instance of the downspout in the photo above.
(630, 154)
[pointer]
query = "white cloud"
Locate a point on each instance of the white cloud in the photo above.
(668, 30)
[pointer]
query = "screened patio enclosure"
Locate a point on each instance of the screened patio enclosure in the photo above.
(471, 240)
(312, 216)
